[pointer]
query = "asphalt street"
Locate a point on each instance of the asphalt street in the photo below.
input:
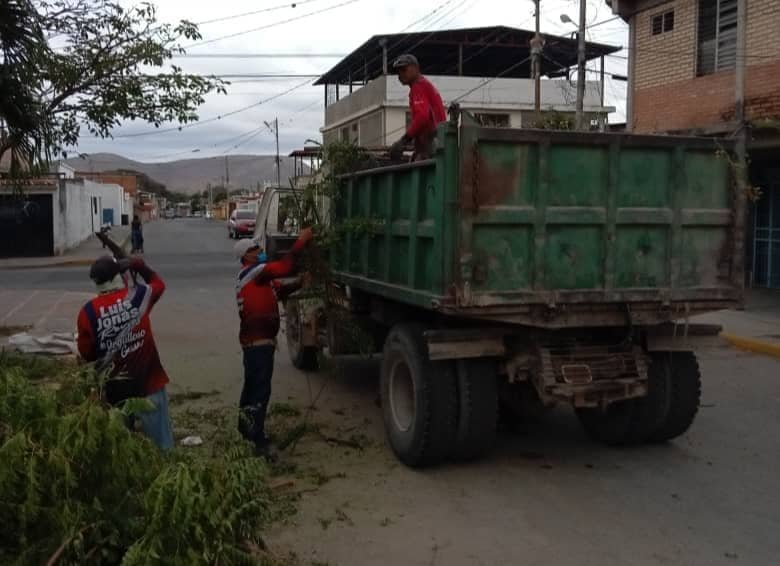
(546, 496)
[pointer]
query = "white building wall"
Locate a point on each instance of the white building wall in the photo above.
(114, 199)
(78, 210)
(512, 97)
(66, 170)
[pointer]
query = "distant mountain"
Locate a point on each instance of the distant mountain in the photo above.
(193, 175)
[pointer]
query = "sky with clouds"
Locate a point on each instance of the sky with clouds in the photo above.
(334, 31)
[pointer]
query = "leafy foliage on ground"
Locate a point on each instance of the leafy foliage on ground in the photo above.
(77, 486)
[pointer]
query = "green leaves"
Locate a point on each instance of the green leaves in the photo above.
(203, 513)
(108, 67)
(78, 485)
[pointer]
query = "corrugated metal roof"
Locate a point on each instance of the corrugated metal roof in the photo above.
(487, 52)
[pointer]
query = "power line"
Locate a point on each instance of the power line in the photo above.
(428, 15)
(215, 118)
(248, 135)
(270, 9)
(271, 25)
(258, 55)
(265, 76)
(602, 22)
(406, 35)
(259, 131)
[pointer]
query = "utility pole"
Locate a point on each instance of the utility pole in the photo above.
(278, 161)
(536, 53)
(227, 171)
(275, 127)
(580, 115)
(742, 176)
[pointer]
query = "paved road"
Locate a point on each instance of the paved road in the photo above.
(195, 323)
(546, 496)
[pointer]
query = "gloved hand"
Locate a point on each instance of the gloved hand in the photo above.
(136, 263)
(124, 264)
(397, 149)
(305, 235)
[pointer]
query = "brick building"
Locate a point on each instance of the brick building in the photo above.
(128, 181)
(682, 56)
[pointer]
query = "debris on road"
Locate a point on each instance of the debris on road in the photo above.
(59, 343)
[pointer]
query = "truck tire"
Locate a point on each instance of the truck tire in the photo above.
(302, 357)
(651, 411)
(419, 399)
(613, 425)
(477, 407)
(684, 393)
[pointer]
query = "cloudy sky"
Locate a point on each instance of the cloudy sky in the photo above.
(335, 27)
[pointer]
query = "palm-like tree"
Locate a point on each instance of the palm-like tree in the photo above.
(21, 42)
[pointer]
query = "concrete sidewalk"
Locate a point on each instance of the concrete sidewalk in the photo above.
(757, 328)
(83, 254)
(39, 311)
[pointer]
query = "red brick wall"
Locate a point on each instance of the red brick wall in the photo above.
(667, 94)
(707, 100)
(128, 182)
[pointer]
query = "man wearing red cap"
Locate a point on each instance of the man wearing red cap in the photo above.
(426, 107)
(114, 330)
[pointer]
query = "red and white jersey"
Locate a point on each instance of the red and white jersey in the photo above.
(256, 297)
(116, 326)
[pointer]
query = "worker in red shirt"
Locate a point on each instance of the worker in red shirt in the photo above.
(114, 331)
(256, 294)
(426, 107)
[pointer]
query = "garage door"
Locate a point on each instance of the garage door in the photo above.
(26, 226)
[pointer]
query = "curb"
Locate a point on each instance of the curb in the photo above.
(752, 345)
(76, 262)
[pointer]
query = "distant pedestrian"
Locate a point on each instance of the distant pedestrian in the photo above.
(426, 107)
(136, 236)
(107, 231)
(259, 312)
(114, 330)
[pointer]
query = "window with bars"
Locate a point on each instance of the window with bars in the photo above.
(717, 36)
(662, 23)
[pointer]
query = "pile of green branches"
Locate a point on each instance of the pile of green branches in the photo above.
(316, 207)
(78, 487)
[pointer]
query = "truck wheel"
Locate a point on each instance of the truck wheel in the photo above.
(652, 410)
(477, 407)
(613, 426)
(419, 399)
(302, 357)
(684, 392)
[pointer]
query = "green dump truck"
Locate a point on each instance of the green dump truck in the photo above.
(524, 268)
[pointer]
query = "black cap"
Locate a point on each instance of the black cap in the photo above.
(405, 60)
(104, 269)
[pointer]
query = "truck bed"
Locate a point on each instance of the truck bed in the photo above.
(549, 228)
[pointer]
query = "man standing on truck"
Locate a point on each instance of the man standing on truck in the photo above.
(256, 294)
(425, 105)
(114, 331)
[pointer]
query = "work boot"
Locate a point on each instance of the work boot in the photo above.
(267, 451)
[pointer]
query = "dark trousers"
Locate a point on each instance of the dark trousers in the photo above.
(137, 241)
(258, 369)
